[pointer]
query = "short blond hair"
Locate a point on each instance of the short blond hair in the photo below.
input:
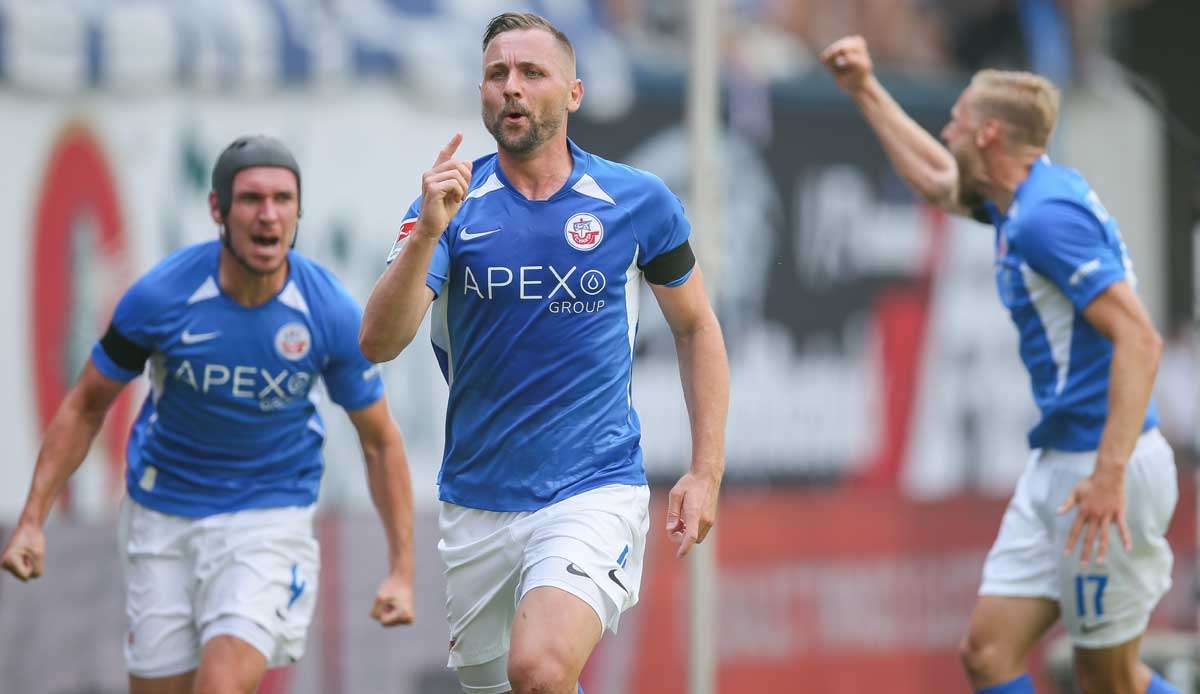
(1026, 102)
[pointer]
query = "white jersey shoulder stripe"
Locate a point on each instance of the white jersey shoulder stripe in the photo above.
(291, 297)
(207, 290)
(588, 186)
(491, 183)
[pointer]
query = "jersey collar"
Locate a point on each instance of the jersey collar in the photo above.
(579, 166)
(1035, 170)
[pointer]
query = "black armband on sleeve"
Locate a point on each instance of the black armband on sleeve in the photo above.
(670, 266)
(124, 352)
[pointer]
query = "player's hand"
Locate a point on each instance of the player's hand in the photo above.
(25, 554)
(1099, 501)
(849, 62)
(393, 602)
(691, 510)
(443, 189)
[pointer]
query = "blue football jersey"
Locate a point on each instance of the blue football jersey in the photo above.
(231, 420)
(534, 326)
(1057, 249)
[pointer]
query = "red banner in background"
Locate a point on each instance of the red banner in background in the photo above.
(841, 591)
(80, 266)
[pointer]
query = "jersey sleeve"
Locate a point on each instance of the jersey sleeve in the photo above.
(439, 265)
(1066, 243)
(353, 382)
(122, 352)
(664, 252)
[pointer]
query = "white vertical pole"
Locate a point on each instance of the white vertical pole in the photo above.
(703, 109)
(1196, 354)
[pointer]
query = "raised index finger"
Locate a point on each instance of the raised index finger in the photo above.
(449, 150)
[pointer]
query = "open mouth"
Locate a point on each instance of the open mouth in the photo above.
(265, 240)
(513, 115)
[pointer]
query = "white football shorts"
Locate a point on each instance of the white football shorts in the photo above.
(1102, 605)
(249, 574)
(589, 545)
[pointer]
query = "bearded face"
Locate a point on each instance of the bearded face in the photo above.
(520, 129)
(959, 136)
(528, 89)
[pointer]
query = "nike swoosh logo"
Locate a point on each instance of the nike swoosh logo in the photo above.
(613, 575)
(1087, 629)
(190, 338)
(572, 569)
(467, 236)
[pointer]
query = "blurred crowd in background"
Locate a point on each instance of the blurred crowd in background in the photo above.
(766, 39)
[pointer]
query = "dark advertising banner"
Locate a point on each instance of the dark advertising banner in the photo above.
(865, 338)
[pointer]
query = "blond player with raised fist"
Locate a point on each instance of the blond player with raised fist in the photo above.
(1083, 537)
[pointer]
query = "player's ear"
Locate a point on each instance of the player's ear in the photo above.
(576, 96)
(214, 208)
(987, 133)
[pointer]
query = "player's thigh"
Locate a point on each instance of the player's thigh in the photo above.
(162, 641)
(175, 684)
(592, 546)
(228, 665)
(1113, 670)
(259, 583)
(1023, 561)
(554, 633)
(1108, 605)
(481, 553)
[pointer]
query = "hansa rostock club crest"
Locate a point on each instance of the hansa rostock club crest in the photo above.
(583, 231)
(293, 341)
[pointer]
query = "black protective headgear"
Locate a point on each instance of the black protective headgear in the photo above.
(243, 153)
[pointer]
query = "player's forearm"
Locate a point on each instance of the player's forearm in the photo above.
(397, 303)
(65, 447)
(1131, 379)
(390, 485)
(917, 157)
(704, 374)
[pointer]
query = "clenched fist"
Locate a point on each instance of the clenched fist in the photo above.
(849, 62)
(26, 552)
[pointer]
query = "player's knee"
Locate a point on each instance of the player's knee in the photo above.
(983, 658)
(539, 674)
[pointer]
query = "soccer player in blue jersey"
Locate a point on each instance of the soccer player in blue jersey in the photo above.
(1083, 537)
(224, 459)
(532, 259)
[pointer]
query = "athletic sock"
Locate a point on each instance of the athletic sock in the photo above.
(1160, 686)
(1021, 685)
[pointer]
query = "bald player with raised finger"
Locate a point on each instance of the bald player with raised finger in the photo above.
(1083, 537)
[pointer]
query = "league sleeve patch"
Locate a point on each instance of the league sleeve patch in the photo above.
(406, 228)
(1083, 271)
